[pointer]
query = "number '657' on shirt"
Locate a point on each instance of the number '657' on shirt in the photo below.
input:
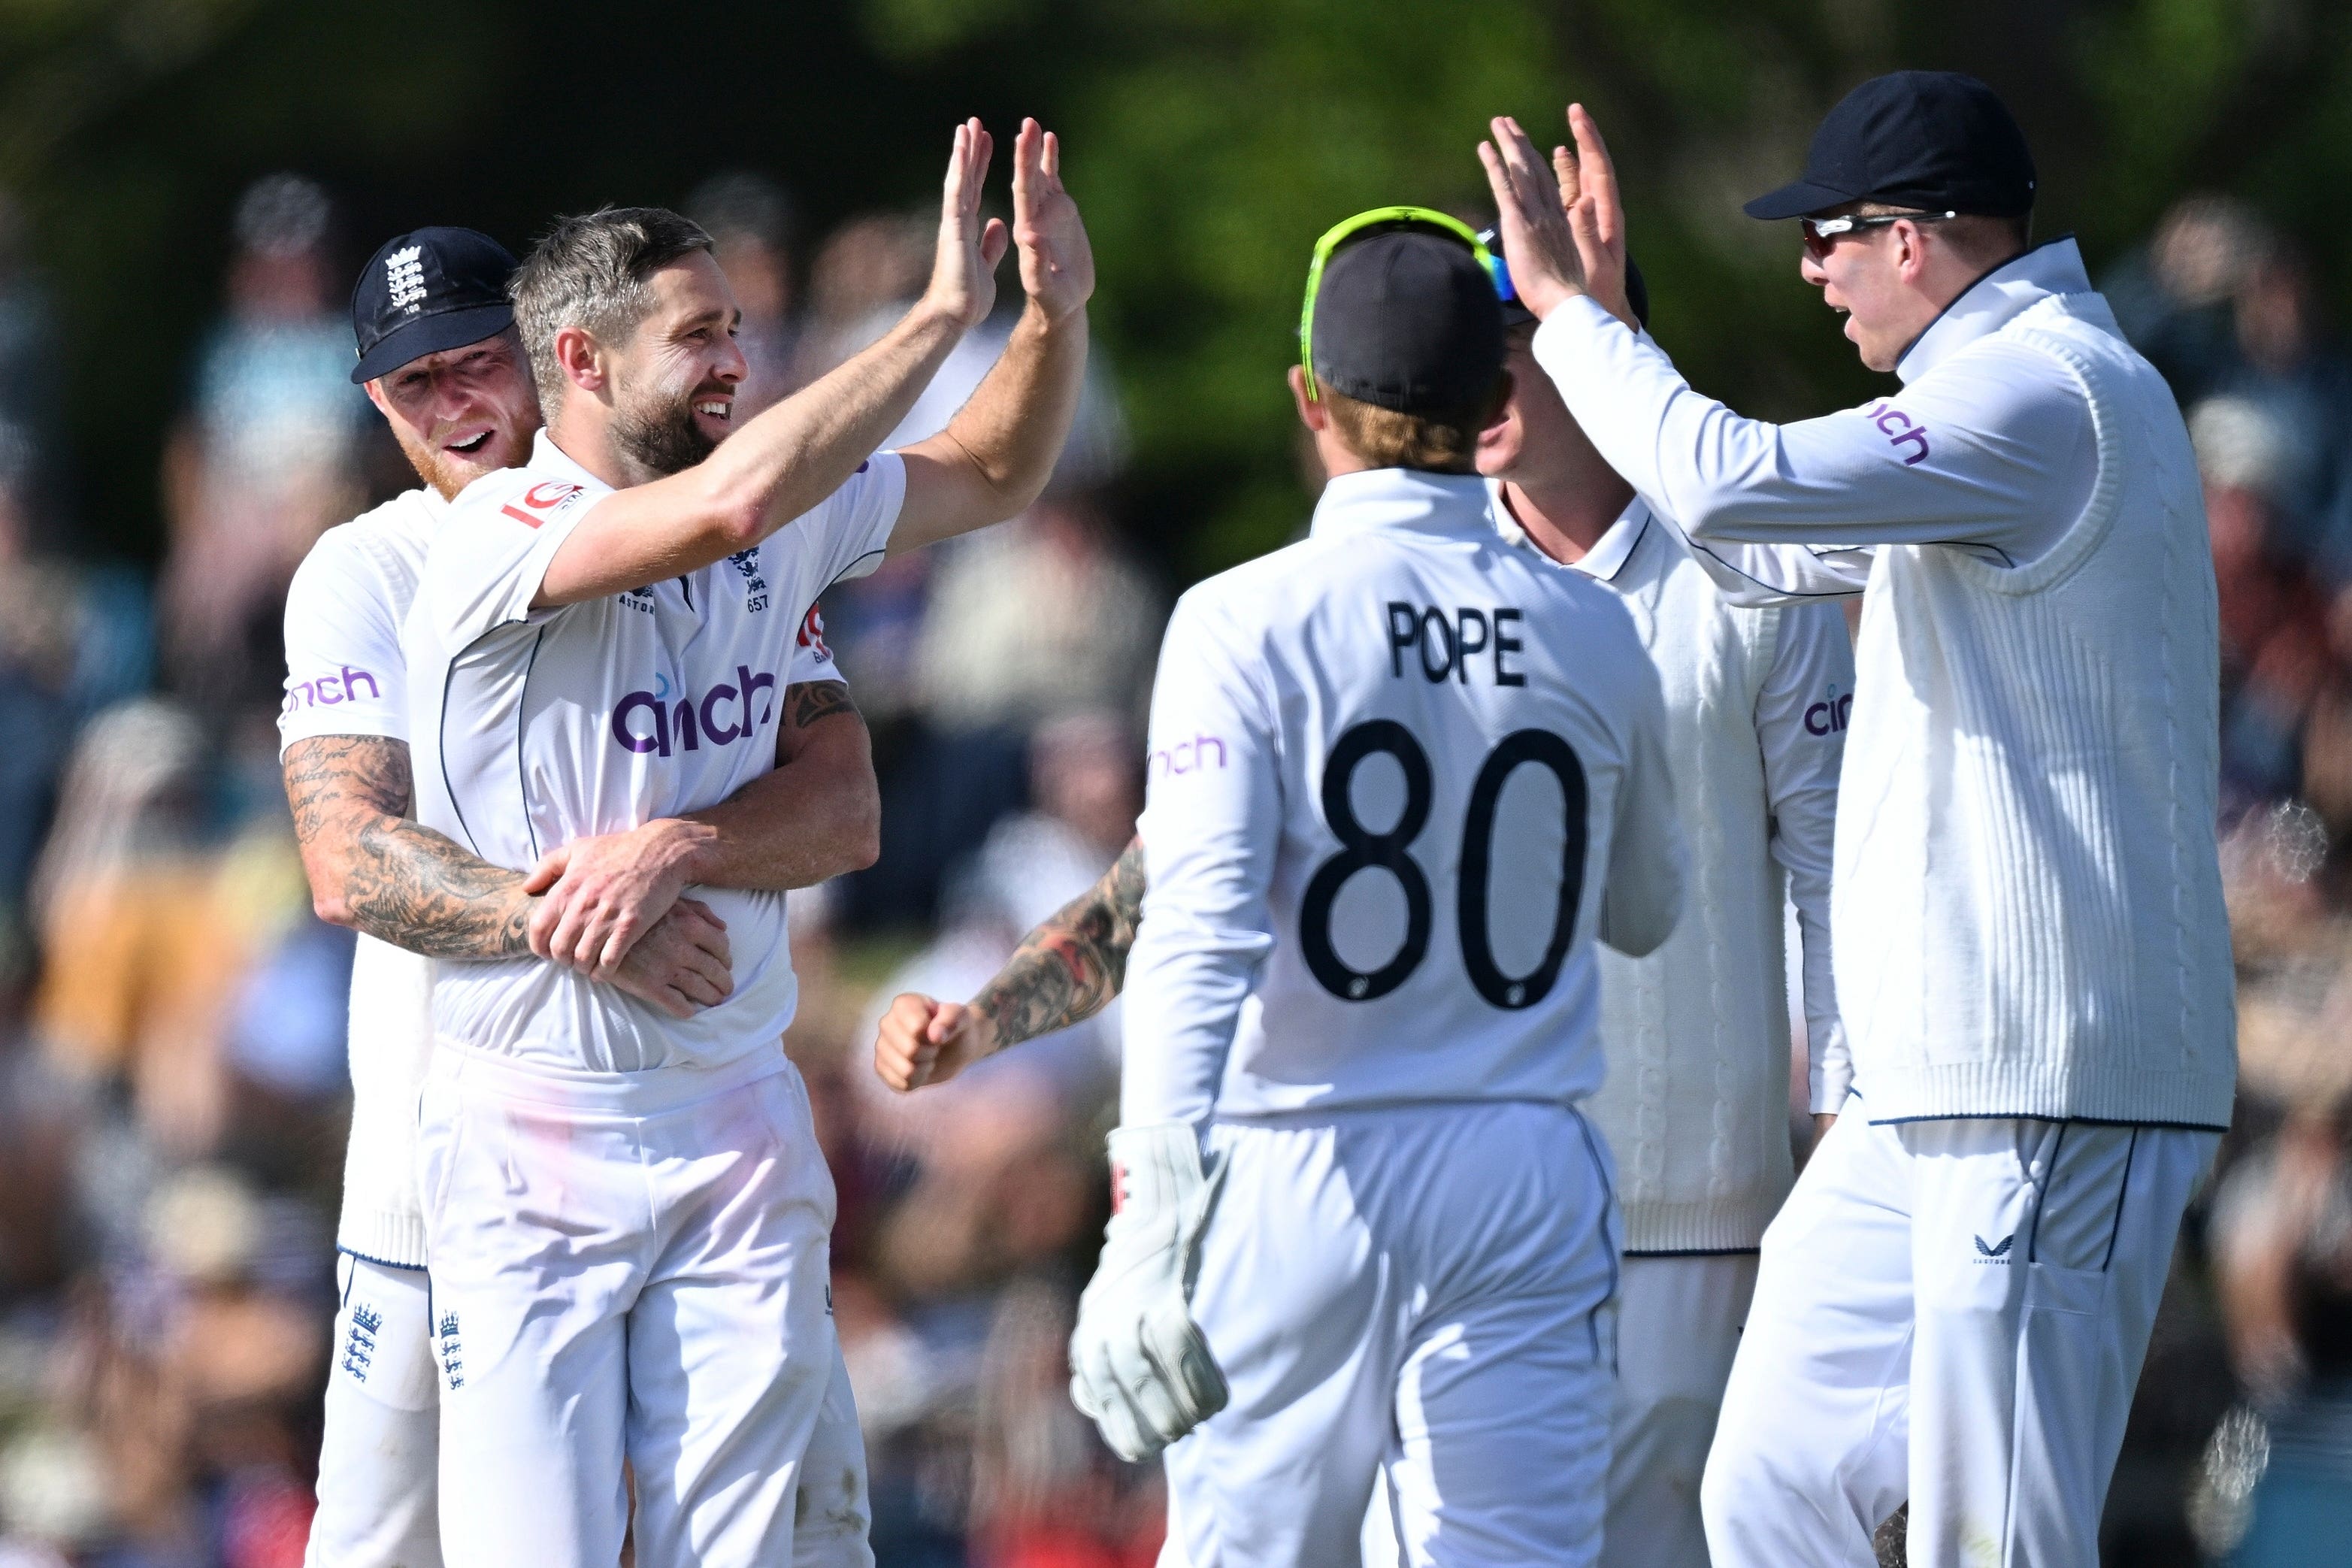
(532, 728)
(1400, 777)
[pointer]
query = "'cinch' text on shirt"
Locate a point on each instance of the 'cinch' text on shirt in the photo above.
(691, 719)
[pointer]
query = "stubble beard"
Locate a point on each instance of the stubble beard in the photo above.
(445, 474)
(659, 435)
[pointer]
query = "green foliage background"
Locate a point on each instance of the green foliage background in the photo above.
(1209, 140)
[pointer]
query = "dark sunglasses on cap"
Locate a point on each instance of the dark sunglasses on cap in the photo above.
(1822, 233)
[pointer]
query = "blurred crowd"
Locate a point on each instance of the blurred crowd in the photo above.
(2228, 307)
(174, 1092)
(172, 1085)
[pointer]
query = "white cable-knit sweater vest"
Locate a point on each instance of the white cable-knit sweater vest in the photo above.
(2027, 910)
(1695, 1105)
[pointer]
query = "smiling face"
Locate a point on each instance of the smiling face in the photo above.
(461, 413)
(673, 381)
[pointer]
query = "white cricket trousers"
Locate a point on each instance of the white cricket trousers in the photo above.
(1951, 1313)
(378, 1452)
(1678, 1318)
(1420, 1290)
(631, 1267)
(1678, 1327)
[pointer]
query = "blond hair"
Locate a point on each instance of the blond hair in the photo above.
(1442, 443)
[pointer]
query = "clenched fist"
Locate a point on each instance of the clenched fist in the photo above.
(924, 1040)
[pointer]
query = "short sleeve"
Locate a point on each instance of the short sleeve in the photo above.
(488, 560)
(810, 660)
(848, 531)
(343, 664)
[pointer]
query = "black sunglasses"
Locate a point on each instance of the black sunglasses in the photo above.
(1820, 233)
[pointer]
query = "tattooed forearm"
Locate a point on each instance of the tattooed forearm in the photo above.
(413, 887)
(1069, 968)
(329, 777)
(808, 702)
(374, 870)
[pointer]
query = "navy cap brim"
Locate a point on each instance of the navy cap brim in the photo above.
(1795, 199)
(432, 335)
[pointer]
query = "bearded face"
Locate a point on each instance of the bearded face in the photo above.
(673, 377)
(656, 427)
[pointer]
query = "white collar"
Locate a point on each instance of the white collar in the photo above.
(1995, 300)
(1400, 498)
(547, 457)
(1609, 552)
(1613, 548)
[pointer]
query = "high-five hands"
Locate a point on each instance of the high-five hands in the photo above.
(1562, 227)
(963, 272)
(1058, 265)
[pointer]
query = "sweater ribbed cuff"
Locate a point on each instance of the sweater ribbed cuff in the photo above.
(2049, 1088)
(1715, 1224)
(386, 1235)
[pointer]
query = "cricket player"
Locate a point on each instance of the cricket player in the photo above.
(438, 355)
(626, 1212)
(2033, 956)
(1695, 1106)
(1402, 777)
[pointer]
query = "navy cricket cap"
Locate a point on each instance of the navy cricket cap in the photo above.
(1407, 320)
(428, 291)
(1938, 140)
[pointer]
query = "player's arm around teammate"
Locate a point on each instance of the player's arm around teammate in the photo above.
(449, 378)
(818, 815)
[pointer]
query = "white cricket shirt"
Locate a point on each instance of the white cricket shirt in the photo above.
(1400, 776)
(1696, 1105)
(346, 675)
(2027, 896)
(533, 728)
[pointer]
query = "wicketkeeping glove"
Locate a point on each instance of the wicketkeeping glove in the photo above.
(1138, 1365)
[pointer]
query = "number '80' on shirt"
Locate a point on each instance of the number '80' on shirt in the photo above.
(1400, 777)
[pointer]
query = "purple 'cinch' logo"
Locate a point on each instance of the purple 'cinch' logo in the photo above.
(327, 691)
(642, 721)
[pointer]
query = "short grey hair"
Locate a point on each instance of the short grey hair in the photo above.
(591, 272)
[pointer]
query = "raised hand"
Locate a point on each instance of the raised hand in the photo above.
(924, 1041)
(1596, 216)
(1562, 226)
(1057, 263)
(1545, 266)
(963, 275)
